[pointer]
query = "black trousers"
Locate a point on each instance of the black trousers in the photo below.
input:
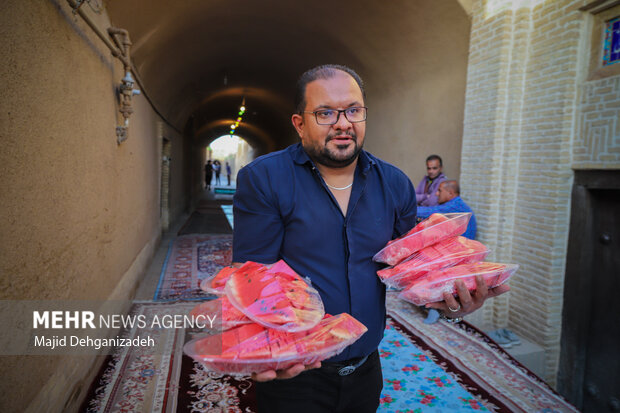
(324, 391)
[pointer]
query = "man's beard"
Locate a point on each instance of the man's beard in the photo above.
(333, 158)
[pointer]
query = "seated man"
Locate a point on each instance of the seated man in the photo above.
(448, 196)
(426, 191)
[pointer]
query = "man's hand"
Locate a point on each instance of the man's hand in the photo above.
(284, 374)
(466, 304)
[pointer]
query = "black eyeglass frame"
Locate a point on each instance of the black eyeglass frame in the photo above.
(344, 111)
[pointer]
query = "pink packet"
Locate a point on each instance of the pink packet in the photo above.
(435, 228)
(275, 296)
(223, 311)
(253, 348)
(446, 253)
(431, 288)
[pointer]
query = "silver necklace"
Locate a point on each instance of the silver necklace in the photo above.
(339, 189)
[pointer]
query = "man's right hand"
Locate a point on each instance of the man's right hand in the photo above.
(284, 374)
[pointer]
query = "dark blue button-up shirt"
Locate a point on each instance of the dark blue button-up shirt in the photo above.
(283, 210)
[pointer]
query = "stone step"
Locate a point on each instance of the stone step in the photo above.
(531, 355)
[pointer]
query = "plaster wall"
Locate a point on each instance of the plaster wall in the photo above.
(81, 213)
(244, 156)
(415, 80)
(179, 203)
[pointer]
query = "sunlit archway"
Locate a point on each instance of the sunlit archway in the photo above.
(232, 151)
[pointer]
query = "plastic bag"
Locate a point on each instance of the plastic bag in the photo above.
(446, 253)
(215, 284)
(435, 228)
(253, 348)
(230, 316)
(275, 297)
(431, 288)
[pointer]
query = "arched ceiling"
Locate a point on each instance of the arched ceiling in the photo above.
(200, 58)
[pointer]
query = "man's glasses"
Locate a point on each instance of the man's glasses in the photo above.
(331, 116)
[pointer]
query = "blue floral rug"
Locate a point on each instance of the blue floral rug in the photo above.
(444, 367)
(413, 382)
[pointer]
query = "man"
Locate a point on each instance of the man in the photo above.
(448, 196)
(208, 174)
(217, 168)
(228, 172)
(427, 188)
(326, 207)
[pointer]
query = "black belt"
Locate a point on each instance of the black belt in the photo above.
(346, 367)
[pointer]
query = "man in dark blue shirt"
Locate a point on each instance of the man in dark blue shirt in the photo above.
(326, 207)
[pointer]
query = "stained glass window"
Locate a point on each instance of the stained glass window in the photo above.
(611, 51)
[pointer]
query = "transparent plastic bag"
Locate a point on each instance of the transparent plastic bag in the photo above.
(444, 254)
(431, 288)
(275, 296)
(254, 348)
(435, 228)
(215, 285)
(230, 317)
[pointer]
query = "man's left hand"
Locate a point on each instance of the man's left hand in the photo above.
(284, 374)
(466, 303)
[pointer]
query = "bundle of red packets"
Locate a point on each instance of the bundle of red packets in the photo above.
(426, 261)
(271, 319)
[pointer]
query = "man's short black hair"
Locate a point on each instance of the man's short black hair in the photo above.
(321, 72)
(452, 185)
(433, 158)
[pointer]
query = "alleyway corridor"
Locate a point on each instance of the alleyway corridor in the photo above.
(110, 113)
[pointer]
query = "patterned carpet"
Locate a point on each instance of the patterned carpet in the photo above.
(163, 379)
(426, 368)
(190, 259)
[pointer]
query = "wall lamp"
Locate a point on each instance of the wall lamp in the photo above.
(120, 48)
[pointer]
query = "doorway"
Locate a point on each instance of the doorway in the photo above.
(589, 362)
(164, 202)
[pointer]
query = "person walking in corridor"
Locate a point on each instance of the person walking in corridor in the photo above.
(228, 172)
(208, 174)
(217, 168)
(325, 206)
(426, 192)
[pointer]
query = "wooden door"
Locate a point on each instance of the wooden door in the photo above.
(589, 373)
(602, 363)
